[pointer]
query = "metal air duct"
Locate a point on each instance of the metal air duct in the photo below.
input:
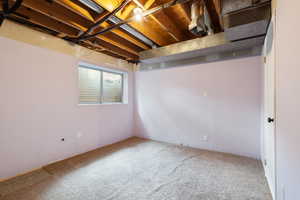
(244, 19)
(200, 24)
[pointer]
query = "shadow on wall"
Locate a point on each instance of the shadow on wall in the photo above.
(173, 119)
(215, 106)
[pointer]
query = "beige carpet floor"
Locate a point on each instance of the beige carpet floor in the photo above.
(138, 169)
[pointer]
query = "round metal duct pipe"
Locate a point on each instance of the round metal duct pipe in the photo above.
(200, 24)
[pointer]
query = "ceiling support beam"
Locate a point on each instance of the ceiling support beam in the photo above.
(144, 14)
(100, 21)
(166, 23)
(69, 19)
(38, 18)
(123, 33)
(146, 27)
(163, 21)
(73, 9)
(186, 12)
(43, 20)
(152, 34)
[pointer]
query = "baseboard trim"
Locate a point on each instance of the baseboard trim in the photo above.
(20, 174)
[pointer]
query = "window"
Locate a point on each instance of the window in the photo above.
(112, 87)
(99, 85)
(89, 85)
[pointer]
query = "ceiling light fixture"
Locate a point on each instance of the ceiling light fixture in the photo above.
(138, 14)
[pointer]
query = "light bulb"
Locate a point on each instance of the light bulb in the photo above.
(138, 14)
(138, 17)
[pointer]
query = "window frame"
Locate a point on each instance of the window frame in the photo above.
(101, 69)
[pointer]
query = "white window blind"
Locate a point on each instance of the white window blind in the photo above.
(89, 85)
(112, 87)
(99, 85)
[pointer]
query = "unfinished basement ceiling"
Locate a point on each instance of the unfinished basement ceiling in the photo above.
(110, 26)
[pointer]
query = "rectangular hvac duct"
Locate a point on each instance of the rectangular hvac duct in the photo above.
(248, 22)
(245, 26)
(229, 6)
(214, 57)
(205, 46)
(182, 49)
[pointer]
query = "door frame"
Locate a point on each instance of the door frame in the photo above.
(272, 183)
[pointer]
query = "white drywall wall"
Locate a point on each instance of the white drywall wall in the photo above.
(39, 106)
(220, 101)
(288, 99)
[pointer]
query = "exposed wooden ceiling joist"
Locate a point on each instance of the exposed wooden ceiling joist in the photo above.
(163, 21)
(185, 12)
(181, 16)
(44, 20)
(146, 23)
(68, 20)
(71, 18)
(103, 19)
(57, 12)
(124, 35)
(76, 8)
(147, 27)
(41, 19)
(109, 5)
(89, 22)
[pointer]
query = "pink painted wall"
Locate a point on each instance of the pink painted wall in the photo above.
(220, 100)
(38, 106)
(39, 95)
(288, 99)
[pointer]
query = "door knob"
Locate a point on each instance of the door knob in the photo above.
(270, 120)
